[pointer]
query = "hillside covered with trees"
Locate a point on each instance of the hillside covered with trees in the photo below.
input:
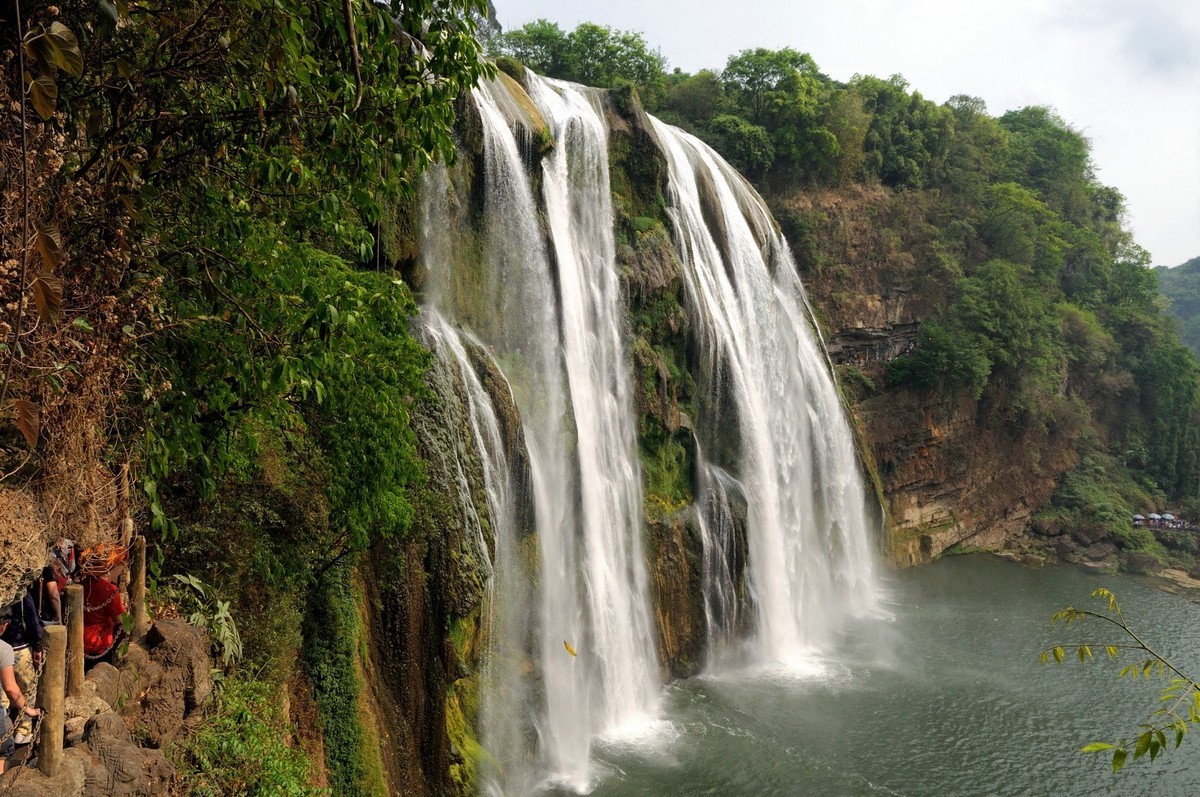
(1181, 286)
(1031, 296)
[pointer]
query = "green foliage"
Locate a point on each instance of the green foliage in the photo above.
(331, 633)
(1098, 495)
(666, 469)
(747, 146)
(206, 610)
(1179, 701)
(696, 97)
(591, 54)
(908, 137)
(254, 146)
(242, 748)
(1181, 286)
(764, 82)
(1046, 155)
(945, 358)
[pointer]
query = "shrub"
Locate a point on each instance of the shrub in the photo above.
(241, 747)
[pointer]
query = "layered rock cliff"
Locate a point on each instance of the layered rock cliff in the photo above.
(953, 470)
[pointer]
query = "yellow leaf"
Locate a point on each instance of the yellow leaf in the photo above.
(43, 93)
(570, 649)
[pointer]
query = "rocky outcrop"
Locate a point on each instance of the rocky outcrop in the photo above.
(422, 604)
(676, 590)
(952, 471)
(169, 675)
(157, 691)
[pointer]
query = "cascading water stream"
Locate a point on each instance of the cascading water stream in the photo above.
(578, 200)
(550, 318)
(810, 561)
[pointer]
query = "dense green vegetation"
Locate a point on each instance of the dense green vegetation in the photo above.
(220, 174)
(1181, 286)
(1049, 313)
(241, 749)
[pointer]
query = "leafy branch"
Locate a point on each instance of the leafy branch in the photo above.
(1180, 696)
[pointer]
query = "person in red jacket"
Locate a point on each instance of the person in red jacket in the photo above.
(102, 605)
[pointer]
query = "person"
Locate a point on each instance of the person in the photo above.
(10, 692)
(102, 607)
(24, 635)
(56, 576)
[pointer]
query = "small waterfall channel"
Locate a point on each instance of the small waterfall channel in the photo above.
(525, 310)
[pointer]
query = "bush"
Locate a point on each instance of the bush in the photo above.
(241, 747)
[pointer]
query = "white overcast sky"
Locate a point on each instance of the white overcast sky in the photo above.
(1125, 73)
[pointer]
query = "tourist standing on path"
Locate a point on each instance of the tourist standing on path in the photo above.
(102, 606)
(24, 635)
(10, 691)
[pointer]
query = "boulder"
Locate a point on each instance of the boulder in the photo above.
(119, 767)
(28, 781)
(1046, 526)
(1088, 535)
(109, 683)
(1140, 562)
(1064, 545)
(1100, 550)
(170, 678)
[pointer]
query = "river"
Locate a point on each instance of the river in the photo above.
(945, 697)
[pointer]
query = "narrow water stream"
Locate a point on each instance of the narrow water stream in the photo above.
(947, 698)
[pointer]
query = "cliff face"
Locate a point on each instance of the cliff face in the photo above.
(952, 471)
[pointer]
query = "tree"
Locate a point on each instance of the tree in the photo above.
(1048, 156)
(594, 55)
(909, 136)
(1180, 698)
(761, 78)
(696, 97)
(747, 146)
(602, 56)
(847, 121)
(540, 45)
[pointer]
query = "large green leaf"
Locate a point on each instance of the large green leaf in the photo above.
(65, 48)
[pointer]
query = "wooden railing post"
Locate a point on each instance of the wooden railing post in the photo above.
(137, 589)
(52, 700)
(74, 616)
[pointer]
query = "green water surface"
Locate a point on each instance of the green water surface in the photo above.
(944, 698)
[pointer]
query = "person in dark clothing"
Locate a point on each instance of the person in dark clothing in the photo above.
(48, 590)
(24, 634)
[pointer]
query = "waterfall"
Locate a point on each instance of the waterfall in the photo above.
(545, 305)
(717, 495)
(524, 312)
(810, 560)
